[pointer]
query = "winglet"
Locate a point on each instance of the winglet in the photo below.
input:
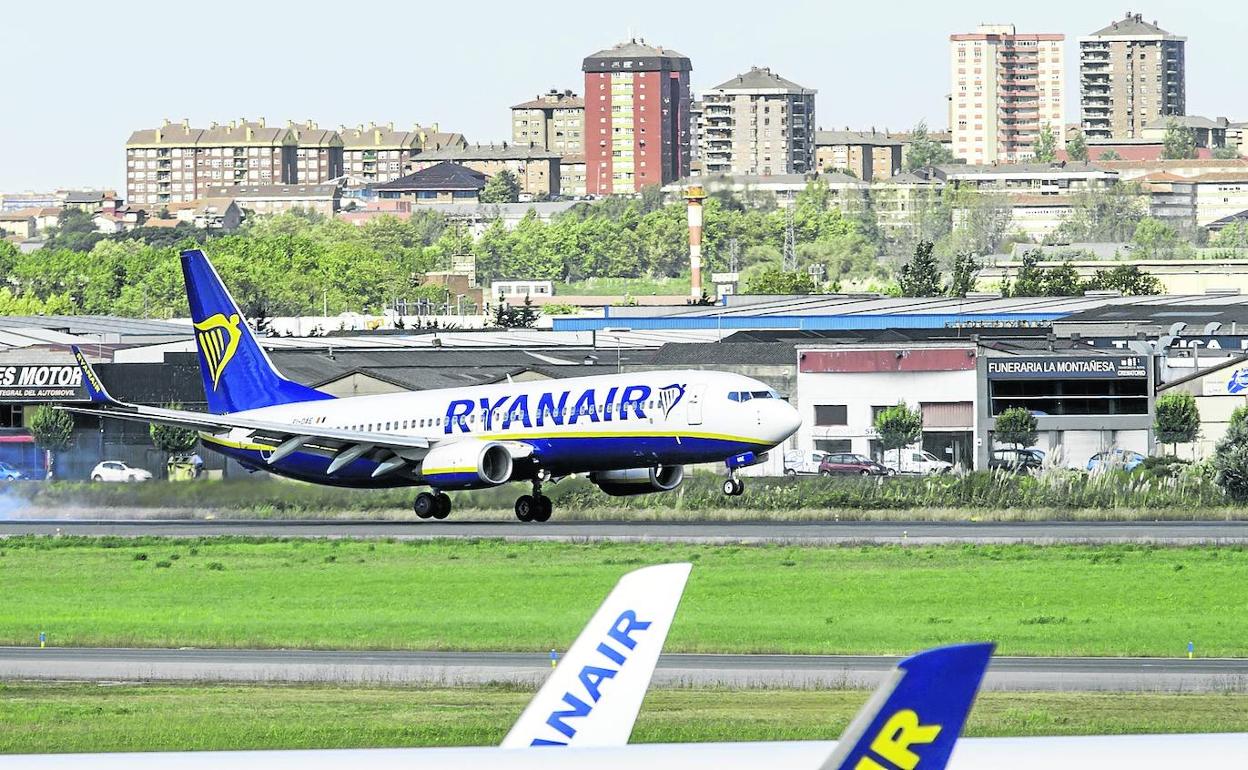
(594, 694)
(915, 717)
(95, 387)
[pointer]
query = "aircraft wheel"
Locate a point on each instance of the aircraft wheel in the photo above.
(425, 505)
(730, 487)
(740, 490)
(443, 508)
(542, 509)
(525, 507)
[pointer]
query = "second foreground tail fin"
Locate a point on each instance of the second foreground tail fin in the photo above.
(914, 718)
(237, 372)
(593, 697)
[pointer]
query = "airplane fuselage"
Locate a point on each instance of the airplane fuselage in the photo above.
(573, 425)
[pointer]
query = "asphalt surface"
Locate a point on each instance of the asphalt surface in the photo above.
(451, 668)
(827, 532)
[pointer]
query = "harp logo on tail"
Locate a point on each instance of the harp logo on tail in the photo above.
(218, 338)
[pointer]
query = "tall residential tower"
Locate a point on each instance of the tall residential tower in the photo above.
(1006, 87)
(757, 123)
(637, 105)
(1131, 74)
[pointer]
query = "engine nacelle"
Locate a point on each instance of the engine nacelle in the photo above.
(639, 481)
(467, 465)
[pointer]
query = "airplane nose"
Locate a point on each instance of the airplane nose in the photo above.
(783, 421)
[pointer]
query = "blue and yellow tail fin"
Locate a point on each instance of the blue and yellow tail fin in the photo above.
(95, 388)
(915, 717)
(237, 372)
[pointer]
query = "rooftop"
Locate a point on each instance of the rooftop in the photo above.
(635, 47)
(275, 191)
(761, 79)
(874, 138)
(443, 176)
(1132, 25)
(502, 151)
(553, 99)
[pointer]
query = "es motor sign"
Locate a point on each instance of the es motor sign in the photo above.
(27, 383)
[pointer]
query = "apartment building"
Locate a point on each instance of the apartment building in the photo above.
(322, 199)
(637, 106)
(867, 155)
(553, 121)
(1006, 87)
(1131, 74)
(318, 153)
(757, 123)
(373, 154)
(537, 170)
(173, 163)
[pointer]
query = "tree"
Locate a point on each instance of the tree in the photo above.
(925, 151)
(1230, 459)
(920, 277)
(1179, 142)
(898, 427)
(1016, 426)
(1109, 155)
(1045, 148)
(1030, 279)
(1077, 148)
(1154, 239)
(1103, 215)
(1177, 420)
(962, 275)
(501, 188)
(172, 439)
(1234, 235)
(1127, 280)
(771, 278)
(53, 430)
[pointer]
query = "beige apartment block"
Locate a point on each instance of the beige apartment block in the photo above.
(757, 123)
(1006, 87)
(1132, 73)
(372, 154)
(553, 121)
(866, 155)
(318, 153)
(173, 163)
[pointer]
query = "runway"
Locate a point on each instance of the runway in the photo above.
(804, 532)
(456, 668)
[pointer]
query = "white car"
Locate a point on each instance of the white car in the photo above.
(116, 470)
(916, 461)
(803, 461)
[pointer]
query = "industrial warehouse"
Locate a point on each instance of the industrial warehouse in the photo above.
(1088, 368)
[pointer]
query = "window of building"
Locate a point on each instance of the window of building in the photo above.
(831, 414)
(833, 444)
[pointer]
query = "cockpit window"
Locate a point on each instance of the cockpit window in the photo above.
(746, 395)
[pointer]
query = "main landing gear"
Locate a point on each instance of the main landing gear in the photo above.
(432, 505)
(535, 507)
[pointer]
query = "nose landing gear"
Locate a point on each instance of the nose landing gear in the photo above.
(435, 505)
(733, 486)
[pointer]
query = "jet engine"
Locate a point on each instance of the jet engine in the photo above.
(466, 465)
(639, 481)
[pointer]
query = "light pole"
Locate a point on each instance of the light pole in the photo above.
(617, 331)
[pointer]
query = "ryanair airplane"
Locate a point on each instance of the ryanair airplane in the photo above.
(632, 433)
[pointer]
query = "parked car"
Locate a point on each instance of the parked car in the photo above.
(116, 470)
(9, 473)
(845, 464)
(1017, 460)
(803, 461)
(916, 461)
(1125, 459)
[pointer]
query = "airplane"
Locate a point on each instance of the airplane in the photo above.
(631, 433)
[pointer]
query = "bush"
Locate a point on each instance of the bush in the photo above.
(1164, 466)
(1230, 459)
(216, 566)
(163, 564)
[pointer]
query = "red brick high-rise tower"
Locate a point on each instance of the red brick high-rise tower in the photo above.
(637, 128)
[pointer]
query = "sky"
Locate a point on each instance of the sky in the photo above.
(78, 77)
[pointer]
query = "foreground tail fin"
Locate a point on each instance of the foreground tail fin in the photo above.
(914, 718)
(593, 697)
(237, 372)
(95, 388)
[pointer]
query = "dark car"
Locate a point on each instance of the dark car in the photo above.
(1017, 460)
(845, 464)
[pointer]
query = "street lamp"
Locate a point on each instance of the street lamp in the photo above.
(617, 331)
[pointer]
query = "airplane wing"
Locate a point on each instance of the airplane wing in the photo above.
(285, 437)
(594, 694)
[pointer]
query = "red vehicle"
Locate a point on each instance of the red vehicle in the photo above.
(846, 464)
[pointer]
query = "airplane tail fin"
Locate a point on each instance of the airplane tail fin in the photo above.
(237, 372)
(95, 388)
(913, 720)
(594, 694)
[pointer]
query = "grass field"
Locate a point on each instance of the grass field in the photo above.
(37, 718)
(485, 595)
